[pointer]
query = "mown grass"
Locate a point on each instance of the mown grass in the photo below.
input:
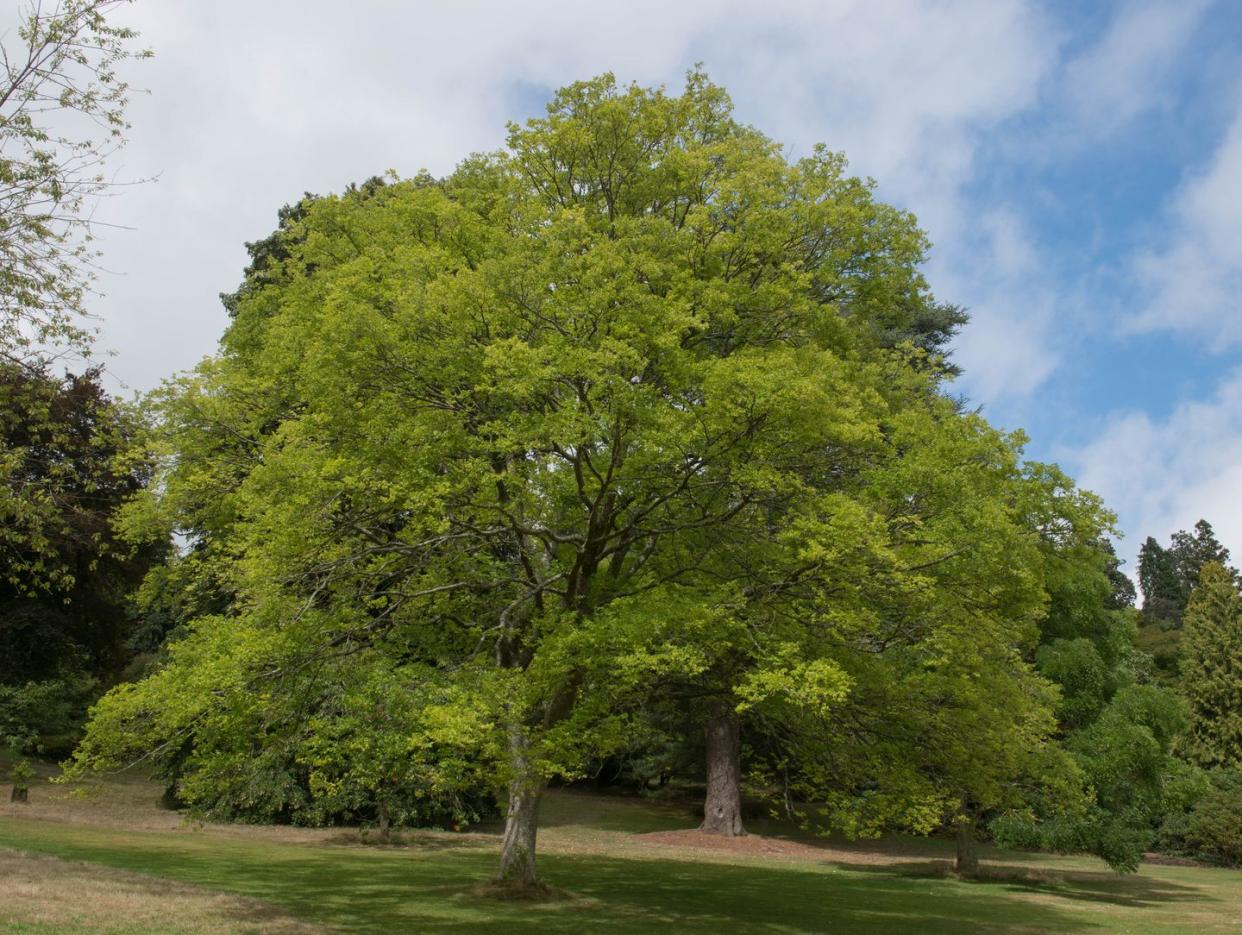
(620, 885)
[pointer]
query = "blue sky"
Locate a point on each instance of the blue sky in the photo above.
(1077, 165)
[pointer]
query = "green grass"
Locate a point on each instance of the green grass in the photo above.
(623, 887)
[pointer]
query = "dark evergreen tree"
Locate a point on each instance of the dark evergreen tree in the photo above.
(1164, 596)
(1193, 550)
(1169, 576)
(1123, 593)
(1212, 669)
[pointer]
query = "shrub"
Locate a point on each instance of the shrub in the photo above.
(1210, 828)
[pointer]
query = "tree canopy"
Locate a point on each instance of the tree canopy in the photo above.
(636, 400)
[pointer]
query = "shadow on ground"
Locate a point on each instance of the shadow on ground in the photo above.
(1128, 890)
(374, 890)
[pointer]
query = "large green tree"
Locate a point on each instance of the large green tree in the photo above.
(632, 399)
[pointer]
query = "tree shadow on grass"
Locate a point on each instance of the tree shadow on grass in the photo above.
(380, 891)
(628, 814)
(416, 839)
(1133, 891)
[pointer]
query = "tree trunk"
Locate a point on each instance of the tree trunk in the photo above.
(722, 808)
(517, 849)
(385, 825)
(18, 794)
(967, 850)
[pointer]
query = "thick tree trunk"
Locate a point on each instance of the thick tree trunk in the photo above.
(19, 794)
(517, 848)
(967, 849)
(722, 808)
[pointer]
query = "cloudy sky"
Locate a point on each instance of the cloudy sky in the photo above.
(1077, 165)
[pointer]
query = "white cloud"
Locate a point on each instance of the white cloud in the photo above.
(1010, 346)
(1163, 475)
(1194, 282)
(252, 104)
(1124, 73)
(1024, 315)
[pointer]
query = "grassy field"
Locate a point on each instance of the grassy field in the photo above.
(66, 855)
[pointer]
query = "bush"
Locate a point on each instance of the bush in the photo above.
(1210, 828)
(1215, 826)
(45, 718)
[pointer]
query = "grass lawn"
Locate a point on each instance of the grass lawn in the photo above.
(593, 847)
(46, 895)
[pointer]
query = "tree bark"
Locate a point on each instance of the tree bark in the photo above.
(967, 849)
(385, 825)
(722, 807)
(517, 848)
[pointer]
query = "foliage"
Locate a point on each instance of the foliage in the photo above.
(280, 737)
(1085, 680)
(1212, 669)
(71, 456)
(21, 774)
(67, 456)
(1088, 636)
(1163, 592)
(1125, 758)
(616, 407)
(1125, 755)
(46, 716)
(401, 749)
(1214, 826)
(1123, 593)
(945, 718)
(1193, 550)
(1164, 648)
(1169, 576)
(1118, 728)
(1204, 821)
(62, 116)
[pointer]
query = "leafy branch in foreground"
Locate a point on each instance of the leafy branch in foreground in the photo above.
(62, 116)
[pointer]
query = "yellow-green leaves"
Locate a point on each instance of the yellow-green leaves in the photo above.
(814, 685)
(636, 409)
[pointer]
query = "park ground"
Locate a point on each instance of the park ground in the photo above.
(112, 862)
